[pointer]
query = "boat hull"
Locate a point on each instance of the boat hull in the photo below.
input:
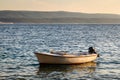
(44, 58)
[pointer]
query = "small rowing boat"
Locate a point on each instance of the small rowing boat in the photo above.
(55, 58)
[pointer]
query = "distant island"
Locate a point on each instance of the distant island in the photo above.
(56, 17)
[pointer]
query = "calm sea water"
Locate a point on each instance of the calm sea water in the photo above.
(18, 42)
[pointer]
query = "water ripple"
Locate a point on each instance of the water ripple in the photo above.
(18, 42)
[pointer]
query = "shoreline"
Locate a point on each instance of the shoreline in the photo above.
(55, 23)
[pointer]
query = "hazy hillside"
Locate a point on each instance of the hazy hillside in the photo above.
(56, 17)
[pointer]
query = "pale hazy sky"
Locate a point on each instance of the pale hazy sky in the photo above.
(87, 6)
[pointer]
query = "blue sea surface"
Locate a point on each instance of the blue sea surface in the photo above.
(18, 42)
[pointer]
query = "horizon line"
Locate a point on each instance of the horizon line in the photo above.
(60, 11)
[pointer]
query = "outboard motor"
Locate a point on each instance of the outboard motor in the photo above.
(91, 50)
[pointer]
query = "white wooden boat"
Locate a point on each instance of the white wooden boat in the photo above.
(49, 58)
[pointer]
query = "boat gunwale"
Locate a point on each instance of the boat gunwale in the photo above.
(66, 56)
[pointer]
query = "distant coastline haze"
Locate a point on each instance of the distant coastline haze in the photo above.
(56, 17)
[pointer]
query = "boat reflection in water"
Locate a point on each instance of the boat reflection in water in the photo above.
(66, 71)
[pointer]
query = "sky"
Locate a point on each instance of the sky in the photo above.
(85, 6)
